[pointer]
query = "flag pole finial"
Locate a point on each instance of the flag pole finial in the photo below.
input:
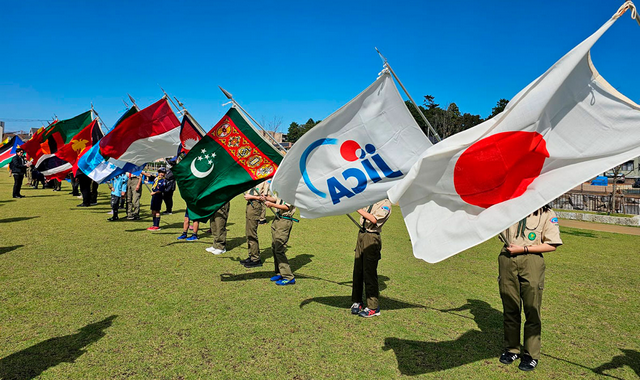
(226, 93)
(132, 100)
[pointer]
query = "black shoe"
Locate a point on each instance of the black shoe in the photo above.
(82, 205)
(136, 217)
(527, 363)
(253, 264)
(113, 219)
(245, 260)
(94, 203)
(508, 357)
(21, 196)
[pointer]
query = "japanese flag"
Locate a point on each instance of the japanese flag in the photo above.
(565, 127)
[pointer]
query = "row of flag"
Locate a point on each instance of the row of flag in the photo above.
(565, 127)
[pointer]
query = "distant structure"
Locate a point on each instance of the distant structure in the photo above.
(1, 130)
(280, 137)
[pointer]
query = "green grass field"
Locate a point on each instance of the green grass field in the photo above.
(82, 298)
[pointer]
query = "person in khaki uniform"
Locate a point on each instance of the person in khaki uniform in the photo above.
(254, 210)
(280, 231)
(219, 230)
(521, 280)
(134, 192)
(367, 255)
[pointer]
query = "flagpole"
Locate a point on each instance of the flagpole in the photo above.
(230, 97)
(101, 123)
(178, 111)
(354, 222)
(133, 101)
(386, 64)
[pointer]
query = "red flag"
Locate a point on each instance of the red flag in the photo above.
(32, 146)
(190, 133)
(79, 144)
(148, 128)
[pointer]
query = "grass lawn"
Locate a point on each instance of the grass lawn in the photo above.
(82, 298)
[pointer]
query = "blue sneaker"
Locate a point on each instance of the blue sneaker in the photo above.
(193, 237)
(286, 282)
(368, 313)
(276, 278)
(183, 236)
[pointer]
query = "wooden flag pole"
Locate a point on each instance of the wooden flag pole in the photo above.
(273, 140)
(386, 64)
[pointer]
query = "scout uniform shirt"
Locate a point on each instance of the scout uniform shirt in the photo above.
(381, 211)
(260, 189)
(282, 213)
(535, 230)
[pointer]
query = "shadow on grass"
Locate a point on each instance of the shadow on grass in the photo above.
(32, 361)
(579, 233)
(4, 250)
(295, 263)
(417, 357)
(17, 219)
(344, 302)
(629, 358)
(40, 196)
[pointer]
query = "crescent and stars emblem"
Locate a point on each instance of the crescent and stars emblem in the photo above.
(203, 157)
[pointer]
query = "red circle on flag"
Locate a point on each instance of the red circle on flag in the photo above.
(348, 150)
(499, 167)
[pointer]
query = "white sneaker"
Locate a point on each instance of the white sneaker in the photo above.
(220, 251)
(211, 249)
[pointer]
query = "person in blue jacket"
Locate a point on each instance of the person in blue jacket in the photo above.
(118, 186)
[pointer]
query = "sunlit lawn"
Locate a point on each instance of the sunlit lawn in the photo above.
(82, 298)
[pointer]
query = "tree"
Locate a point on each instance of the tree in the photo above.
(272, 124)
(500, 106)
(296, 130)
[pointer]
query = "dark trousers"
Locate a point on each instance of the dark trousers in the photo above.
(365, 269)
(94, 191)
(115, 204)
(17, 184)
(168, 200)
(76, 186)
(85, 189)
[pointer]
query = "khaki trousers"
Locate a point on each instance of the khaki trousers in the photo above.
(365, 269)
(254, 209)
(280, 231)
(219, 227)
(521, 282)
(133, 197)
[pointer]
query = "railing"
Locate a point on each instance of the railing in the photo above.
(597, 203)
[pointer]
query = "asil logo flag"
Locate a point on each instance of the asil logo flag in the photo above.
(354, 156)
(565, 127)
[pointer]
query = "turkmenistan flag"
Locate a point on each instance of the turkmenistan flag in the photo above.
(61, 133)
(228, 160)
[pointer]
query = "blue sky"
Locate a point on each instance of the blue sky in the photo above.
(291, 60)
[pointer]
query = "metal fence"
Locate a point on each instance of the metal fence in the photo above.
(597, 203)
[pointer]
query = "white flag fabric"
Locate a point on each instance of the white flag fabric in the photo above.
(354, 156)
(565, 127)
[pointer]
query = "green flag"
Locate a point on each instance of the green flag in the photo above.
(228, 160)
